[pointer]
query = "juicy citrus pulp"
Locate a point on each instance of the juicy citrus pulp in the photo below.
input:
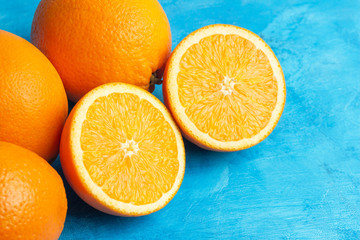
(225, 88)
(127, 137)
(125, 150)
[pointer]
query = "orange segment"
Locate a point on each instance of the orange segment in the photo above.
(130, 152)
(118, 141)
(225, 88)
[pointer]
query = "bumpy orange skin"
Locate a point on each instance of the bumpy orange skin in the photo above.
(95, 42)
(33, 103)
(33, 202)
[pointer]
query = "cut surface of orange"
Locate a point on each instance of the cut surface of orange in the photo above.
(224, 87)
(121, 151)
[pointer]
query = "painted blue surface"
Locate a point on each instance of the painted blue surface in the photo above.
(303, 181)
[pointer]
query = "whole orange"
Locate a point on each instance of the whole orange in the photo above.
(33, 103)
(33, 203)
(95, 42)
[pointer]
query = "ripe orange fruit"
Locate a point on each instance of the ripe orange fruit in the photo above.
(121, 151)
(224, 87)
(95, 42)
(33, 103)
(32, 196)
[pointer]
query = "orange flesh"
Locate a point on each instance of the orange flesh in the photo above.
(227, 87)
(129, 149)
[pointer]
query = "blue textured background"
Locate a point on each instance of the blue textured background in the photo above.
(303, 181)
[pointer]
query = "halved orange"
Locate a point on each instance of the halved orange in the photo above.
(224, 87)
(121, 151)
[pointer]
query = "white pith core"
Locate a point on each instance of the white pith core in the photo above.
(227, 85)
(130, 147)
